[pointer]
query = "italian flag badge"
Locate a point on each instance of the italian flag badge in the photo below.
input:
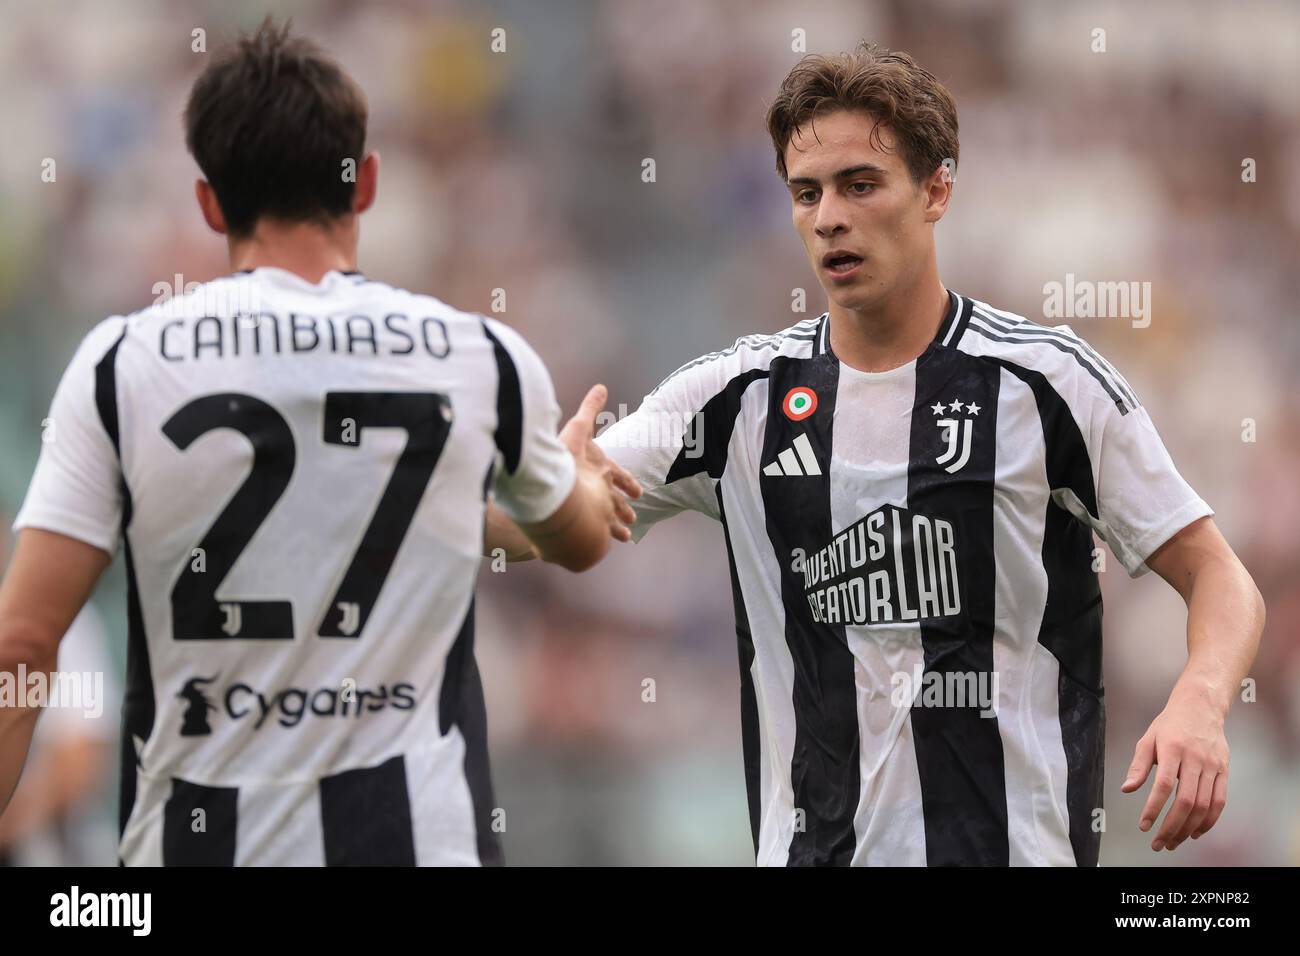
(799, 403)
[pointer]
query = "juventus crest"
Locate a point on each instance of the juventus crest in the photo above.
(958, 422)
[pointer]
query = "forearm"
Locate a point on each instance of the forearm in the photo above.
(24, 812)
(500, 533)
(16, 726)
(18, 661)
(577, 535)
(54, 783)
(48, 581)
(1225, 618)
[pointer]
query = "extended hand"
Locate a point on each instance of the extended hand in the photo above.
(578, 436)
(1187, 744)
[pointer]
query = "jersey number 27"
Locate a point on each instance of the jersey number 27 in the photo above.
(196, 614)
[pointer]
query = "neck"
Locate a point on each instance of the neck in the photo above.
(891, 332)
(306, 249)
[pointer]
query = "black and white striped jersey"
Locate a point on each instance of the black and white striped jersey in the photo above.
(297, 473)
(912, 561)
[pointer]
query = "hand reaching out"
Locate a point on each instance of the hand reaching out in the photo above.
(1187, 745)
(578, 435)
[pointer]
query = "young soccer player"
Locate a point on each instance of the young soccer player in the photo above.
(908, 486)
(295, 460)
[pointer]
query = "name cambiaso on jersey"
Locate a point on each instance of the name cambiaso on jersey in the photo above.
(911, 551)
(297, 473)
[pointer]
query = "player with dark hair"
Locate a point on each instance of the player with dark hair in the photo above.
(908, 486)
(295, 460)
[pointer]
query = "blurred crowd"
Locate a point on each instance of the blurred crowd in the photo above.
(522, 171)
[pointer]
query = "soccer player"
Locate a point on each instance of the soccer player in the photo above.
(908, 486)
(295, 460)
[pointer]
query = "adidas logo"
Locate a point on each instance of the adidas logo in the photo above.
(798, 459)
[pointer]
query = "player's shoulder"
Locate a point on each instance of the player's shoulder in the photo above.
(499, 332)
(98, 343)
(749, 355)
(420, 304)
(248, 293)
(995, 324)
(227, 295)
(1069, 363)
(461, 325)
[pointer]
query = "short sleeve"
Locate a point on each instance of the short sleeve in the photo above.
(76, 489)
(535, 472)
(664, 446)
(1141, 499)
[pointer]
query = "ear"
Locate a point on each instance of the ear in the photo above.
(937, 190)
(209, 206)
(363, 196)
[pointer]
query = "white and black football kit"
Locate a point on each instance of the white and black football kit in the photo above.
(297, 473)
(911, 552)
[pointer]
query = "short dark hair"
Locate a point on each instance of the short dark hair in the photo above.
(888, 85)
(270, 122)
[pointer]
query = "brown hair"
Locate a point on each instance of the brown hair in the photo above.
(888, 85)
(270, 122)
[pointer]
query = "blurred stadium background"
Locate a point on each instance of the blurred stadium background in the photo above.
(522, 171)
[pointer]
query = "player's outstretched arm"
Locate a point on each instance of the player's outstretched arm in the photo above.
(577, 536)
(502, 534)
(50, 578)
(1186, 742)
